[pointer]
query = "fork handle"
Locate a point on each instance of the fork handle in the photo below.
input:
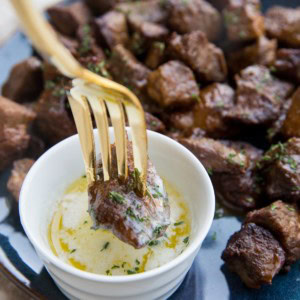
(45, 39)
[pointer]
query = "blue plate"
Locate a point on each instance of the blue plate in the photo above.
(208, 278)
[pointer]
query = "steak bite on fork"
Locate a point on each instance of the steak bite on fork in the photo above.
(115, 205)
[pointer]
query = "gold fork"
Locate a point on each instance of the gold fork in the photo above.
(92, 92)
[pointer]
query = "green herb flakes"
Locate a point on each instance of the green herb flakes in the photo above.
(105, 246)
(72, 251)
(273, 206)
(117, 197)
(186, 240)
(137, 261)
(130, 272)
(214, 236)
(115, 267)
(153, 243)
(179, 223)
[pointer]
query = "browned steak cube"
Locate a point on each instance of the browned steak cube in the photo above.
(254, 254)
(127, 70)
(173, 84)
(153, 123)
(112, 27)
(152, 11)
(263, 52)
(237, 191)
(259, 96)
(240, 191)
(281, 170)
(187, 16)
(67, 19)
(287, 64)
(283, 221)
(155, 55)
(25, 81)
(20, 169)
(217, 157)
(14, 138)
(203, 57)
(283, 24)
(243, 20)
(54, 118)
(117, 207)
(214, 100)
(291, 125)
(144, 33)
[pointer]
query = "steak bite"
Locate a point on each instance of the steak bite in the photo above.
(153, 123)
(204, 58)
(243, 20)
(54, 118)
(259, 96)
(14, 138)
(254, 254)
(262, 52)
(20, 169)
(214, 101)
(291, 125)
(116, 206)
(67, 19)
(287, 64)
(25, 81)
(281, 170)
(217, 157)
(112, 27)
(155, 55)
(188, 16)
(144, 33)
(283, 24)
(283, 221)
(173, 84)
(127, 70)
(231, 167)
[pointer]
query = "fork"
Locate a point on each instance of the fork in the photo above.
(91, 92)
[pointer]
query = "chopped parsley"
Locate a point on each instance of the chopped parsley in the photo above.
(209, 171)
(86, 40)
(123, 264)
(85, 222)
(161, 46)
(214, 236)
(195, 97)
(130, 213)
(179, 223)
(49, 84)
(186, 239)
(230, 18)
(115, 267)
(153, 243)
(137, 261)
(108, 272)
(72, 251)
(273, 206)
(130, 272)
(105, 246)
(290, 208)
(157, 230)
(117, 197)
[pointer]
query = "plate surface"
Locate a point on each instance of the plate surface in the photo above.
(208, 279)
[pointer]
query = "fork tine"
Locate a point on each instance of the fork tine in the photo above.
(116, 113)
(100, 113)
(83, 121)
(137, 123)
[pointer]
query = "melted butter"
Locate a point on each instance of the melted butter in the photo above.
(73, 241)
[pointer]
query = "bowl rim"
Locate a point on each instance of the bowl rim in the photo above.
(198, 239)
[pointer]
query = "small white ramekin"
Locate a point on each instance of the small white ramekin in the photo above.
(61, 165)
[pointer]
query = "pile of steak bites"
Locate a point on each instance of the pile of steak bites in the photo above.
(218, 76)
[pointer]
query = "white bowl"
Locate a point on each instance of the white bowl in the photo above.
(61, 165)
